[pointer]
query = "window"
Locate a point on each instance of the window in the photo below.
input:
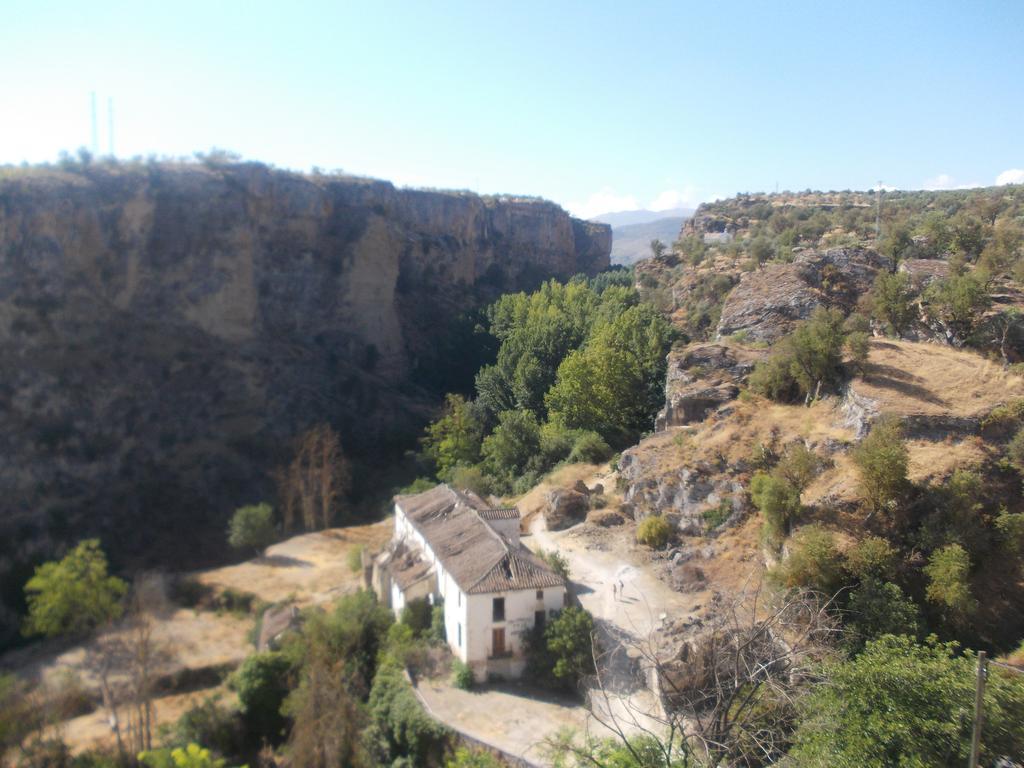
(498, 642)
(498, 613)
(458, 634)
(538, 619)
(540, 594)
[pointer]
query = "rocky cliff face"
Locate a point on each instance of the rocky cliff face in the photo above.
(165, 330)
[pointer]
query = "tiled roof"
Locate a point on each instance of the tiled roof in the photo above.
(478, 557)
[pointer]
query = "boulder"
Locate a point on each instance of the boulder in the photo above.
(701, 379)
(565, 508)
(607, 518)
(581, 487)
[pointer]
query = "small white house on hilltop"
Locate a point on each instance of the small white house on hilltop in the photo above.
(451, 545)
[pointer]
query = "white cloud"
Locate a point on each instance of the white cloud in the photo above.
(945, 181)
(675, 198)
(1011, 176)
(602, 201)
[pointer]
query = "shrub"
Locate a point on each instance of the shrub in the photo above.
(715, 516)
(882, 462)
(438, 633)
(878, 608)
(262, 685)
(777, 500)
(354, 557)
(1015, 450)
(872, 557)
(209, 722)
(798, 466)
(891, 300)
(1010, 528)
(417, 615)
(237, 602)
(560, 653)
(772, 378)
(653, 531)
(475, 758)
(590, 448)
(858, 346)
(252, 527)
(406, 730)
(462, 675)
(472, 479)
(814, 562)
(948, 586)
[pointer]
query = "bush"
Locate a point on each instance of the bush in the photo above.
(462, 675)
(872, 558)
(948, 570)
(891, 301)
(590, 448)
(798, 466)
(878, 608)
(252, 527)
(417, 615)
(882, 462)
(477, 758)
(209, 723)
(814, 562)
(560, 653)
(777, 500)
(653, 531)
(262, 684)
(237, 602)
(772, 378)
(1015, 450)
(406, 730)
(438, 633)
(471, 479)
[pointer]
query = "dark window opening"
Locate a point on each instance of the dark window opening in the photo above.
(540, 594)
(498, 613)
(539, 619)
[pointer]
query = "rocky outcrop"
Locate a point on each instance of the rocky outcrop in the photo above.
(700, 379)
(166, 330)
(769, 301)
(654, 486)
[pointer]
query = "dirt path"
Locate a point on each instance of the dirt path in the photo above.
(628, 603)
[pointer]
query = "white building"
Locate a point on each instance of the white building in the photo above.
(451, 545)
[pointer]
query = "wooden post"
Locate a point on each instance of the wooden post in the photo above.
(979, 711)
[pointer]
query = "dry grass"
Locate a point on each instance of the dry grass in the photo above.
(932, 379)
(310, 569)
(932, 462)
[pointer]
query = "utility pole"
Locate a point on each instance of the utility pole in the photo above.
(878, 213)
(110, 126)
(95, 138)
(979, 711)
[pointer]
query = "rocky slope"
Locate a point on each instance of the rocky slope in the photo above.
(166, 330)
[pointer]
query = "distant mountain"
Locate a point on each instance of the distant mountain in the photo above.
(632, 242)
(627, 218)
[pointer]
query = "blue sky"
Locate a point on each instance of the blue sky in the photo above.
(598, 105)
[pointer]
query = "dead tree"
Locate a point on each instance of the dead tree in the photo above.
(728, 693)
(314, 485)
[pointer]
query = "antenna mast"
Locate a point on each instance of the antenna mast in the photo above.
(878, 212)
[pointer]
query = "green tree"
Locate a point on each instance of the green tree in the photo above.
(872, 558)
(252, 527)
(475, 758)
(814, 562)
(949, 588)
(891, 301)
(455, 438)
(899, 703)
(896, 243)
(878, 608)
(614, 385)
(516, 440)
(262, 684)
(816, 348)
(959, 301)
(73, 596)
(569, 640)
(882, 462)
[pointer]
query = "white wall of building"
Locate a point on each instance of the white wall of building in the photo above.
(470, 617)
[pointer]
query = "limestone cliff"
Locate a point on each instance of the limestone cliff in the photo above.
(165, 330)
